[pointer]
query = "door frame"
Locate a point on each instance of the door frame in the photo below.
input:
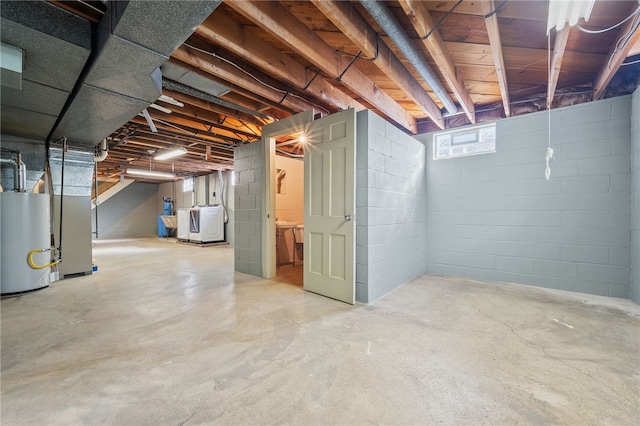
(294, 124)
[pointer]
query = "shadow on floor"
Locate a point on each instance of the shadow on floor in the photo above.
(290, 274)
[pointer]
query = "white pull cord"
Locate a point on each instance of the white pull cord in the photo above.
(548, 156)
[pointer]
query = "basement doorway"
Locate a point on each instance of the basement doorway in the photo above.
(289, 208)
(327, 249)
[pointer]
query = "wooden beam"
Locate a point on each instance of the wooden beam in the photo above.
(193, 151)
(556, 63)
(420, 18)
(224, 31)
(616, 55)
(275, 19)
(488, 8)
(197, 128)
(143, 147)
(208, 119)
(169, 135)
(353, 25)
(227, 72)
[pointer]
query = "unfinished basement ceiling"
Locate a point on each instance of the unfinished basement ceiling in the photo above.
(252, 62)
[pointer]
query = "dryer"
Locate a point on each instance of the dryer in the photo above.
(201, 224)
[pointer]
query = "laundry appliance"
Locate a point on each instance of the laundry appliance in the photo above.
(202, 224)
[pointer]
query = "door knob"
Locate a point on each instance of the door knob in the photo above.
(347, 217)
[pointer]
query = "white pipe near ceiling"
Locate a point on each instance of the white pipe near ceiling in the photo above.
(102, 152)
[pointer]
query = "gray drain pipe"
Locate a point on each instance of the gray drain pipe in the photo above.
(383, 17)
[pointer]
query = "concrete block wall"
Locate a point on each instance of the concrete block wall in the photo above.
(390, 207)
(248, 188)
(495, 217)
(635, 197)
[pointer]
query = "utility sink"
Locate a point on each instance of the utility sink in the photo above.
(284, 223)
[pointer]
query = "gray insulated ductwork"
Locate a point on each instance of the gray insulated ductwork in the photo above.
(55, 46)
(78, 172)
(133, 40)
(383, 17)
(32, 155)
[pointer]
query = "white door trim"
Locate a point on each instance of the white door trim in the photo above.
(294, 124)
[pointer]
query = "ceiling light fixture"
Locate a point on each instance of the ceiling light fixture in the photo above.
(170, 100)
(302, 138)
(563, 11)
(151, 173)
(11, 63)
(171, 153)
(160, 108)
(147, 117)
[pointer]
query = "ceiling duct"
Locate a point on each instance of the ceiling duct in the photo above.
(197, 93)
(191, 78)
(78, 172)
(383, 17)
(33, 156)
(55, 47)
(133, 40)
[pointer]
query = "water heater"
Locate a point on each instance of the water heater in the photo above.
(24, 226)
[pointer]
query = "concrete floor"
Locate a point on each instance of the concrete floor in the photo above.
(168, 334)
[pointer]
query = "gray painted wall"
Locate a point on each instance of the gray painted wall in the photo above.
(132, 212)
(635, 197)
(495, 217)
(390, 207)
(249, 184)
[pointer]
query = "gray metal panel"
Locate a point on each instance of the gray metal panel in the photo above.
(124, 67)
(56, 47)
(76, 235)
(29, 124)
(48, 60)
(32, 150)
(95, 114)
(48, 19)
(161, 26)
(10, 78)
(173, 72)
(191, 79)
(78, 172)
(35, 97)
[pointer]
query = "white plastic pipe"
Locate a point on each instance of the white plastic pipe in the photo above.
(102, 153)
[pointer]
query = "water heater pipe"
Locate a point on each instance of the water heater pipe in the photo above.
(32, 263)
(102, 152)
(19, 171)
